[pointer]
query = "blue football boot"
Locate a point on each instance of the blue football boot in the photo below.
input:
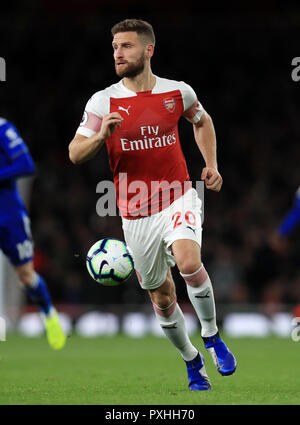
(198, 379)
(223, 359)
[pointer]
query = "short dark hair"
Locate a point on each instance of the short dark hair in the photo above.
(142, 28)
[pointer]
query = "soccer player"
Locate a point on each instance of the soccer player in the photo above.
(15, 234)
(138, 118)
(278, 239)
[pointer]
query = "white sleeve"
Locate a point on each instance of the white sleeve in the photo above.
(193, 109)
(95, 109)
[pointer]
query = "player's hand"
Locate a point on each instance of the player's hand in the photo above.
(109, 124)
(213, 179)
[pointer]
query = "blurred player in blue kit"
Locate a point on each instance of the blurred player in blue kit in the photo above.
(292, 218)
(279, 238)
(15, 234)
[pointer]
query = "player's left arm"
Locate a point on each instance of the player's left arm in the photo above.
(205, 138)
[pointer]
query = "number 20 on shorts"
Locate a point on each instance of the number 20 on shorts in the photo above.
(189, 218)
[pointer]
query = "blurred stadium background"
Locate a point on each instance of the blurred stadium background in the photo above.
(238, 61)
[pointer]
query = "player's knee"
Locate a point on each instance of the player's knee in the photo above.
(165, 295)
(163, 301)
(187, 254)
(189, 265)
(26, 276)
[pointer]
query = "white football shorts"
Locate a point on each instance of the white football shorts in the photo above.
(150, 238)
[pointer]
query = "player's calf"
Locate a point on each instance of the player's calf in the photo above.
(172, 322)
(35, 286)
(37, 291)
(201, 295)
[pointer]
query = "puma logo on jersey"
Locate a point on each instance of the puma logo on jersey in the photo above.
(124, 109)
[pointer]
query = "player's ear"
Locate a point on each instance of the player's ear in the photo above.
(149, 50)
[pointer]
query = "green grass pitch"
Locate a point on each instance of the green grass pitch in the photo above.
(146, 371)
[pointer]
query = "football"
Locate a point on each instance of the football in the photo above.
(109, 262)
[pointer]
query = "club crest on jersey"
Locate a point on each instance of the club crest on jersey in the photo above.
(84, 118)
(169, 104)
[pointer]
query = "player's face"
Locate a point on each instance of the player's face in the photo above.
(129, 54)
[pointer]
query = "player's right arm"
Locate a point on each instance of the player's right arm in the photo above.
(96, 126)
(83, 148)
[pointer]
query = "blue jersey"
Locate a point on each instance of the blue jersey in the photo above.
(15, 161)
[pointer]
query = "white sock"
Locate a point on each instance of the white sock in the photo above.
(172, 322)
(201, 295)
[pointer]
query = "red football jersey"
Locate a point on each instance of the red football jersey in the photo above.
(145, 154)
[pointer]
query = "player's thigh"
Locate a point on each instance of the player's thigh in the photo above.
(183, 233)
(151, 258)
(16, 241)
